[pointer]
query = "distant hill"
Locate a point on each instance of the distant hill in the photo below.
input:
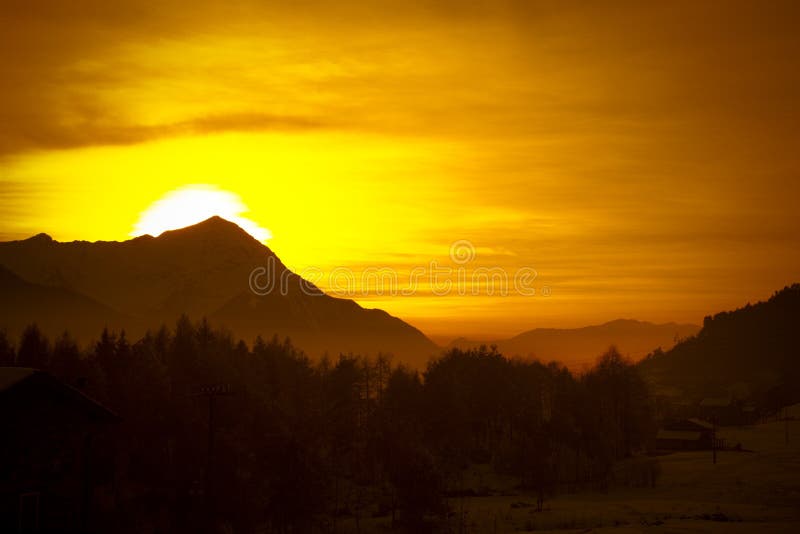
(754, 348)
(578, 346)
(53, 309)
(204, 270)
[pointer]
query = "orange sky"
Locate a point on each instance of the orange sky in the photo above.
(642, 158)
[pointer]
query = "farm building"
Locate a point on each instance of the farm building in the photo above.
(686, 435)
(679, 440)
(49, 457)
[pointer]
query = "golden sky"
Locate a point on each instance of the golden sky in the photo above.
(642, 157)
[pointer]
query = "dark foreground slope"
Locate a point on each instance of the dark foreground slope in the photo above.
(752, 349)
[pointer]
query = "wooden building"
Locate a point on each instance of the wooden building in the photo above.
(686, 435)
(52, 461)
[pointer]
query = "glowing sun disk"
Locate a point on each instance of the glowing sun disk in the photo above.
(193, 204)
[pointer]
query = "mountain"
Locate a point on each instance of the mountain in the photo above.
(205, 270)
(579, 346)
(750, 350)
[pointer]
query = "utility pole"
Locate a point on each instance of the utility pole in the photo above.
(714, 439)
(211, 392)
(786, 424)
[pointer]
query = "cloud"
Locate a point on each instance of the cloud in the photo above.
(49, 136)
(90, 72)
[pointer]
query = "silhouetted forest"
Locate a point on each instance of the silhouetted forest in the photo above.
(297, 445)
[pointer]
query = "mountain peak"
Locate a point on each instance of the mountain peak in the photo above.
(216, 220)
(40, 238)
(214, 227)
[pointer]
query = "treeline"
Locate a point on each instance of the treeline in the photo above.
(301, 445)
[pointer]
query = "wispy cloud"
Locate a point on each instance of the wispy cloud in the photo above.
(50, 136)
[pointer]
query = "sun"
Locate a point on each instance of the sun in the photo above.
(192, 204)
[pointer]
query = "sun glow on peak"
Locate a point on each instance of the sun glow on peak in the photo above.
(192, 204)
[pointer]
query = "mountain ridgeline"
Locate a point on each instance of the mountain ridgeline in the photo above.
(742, 352)
(578, 347)
(202, 271)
